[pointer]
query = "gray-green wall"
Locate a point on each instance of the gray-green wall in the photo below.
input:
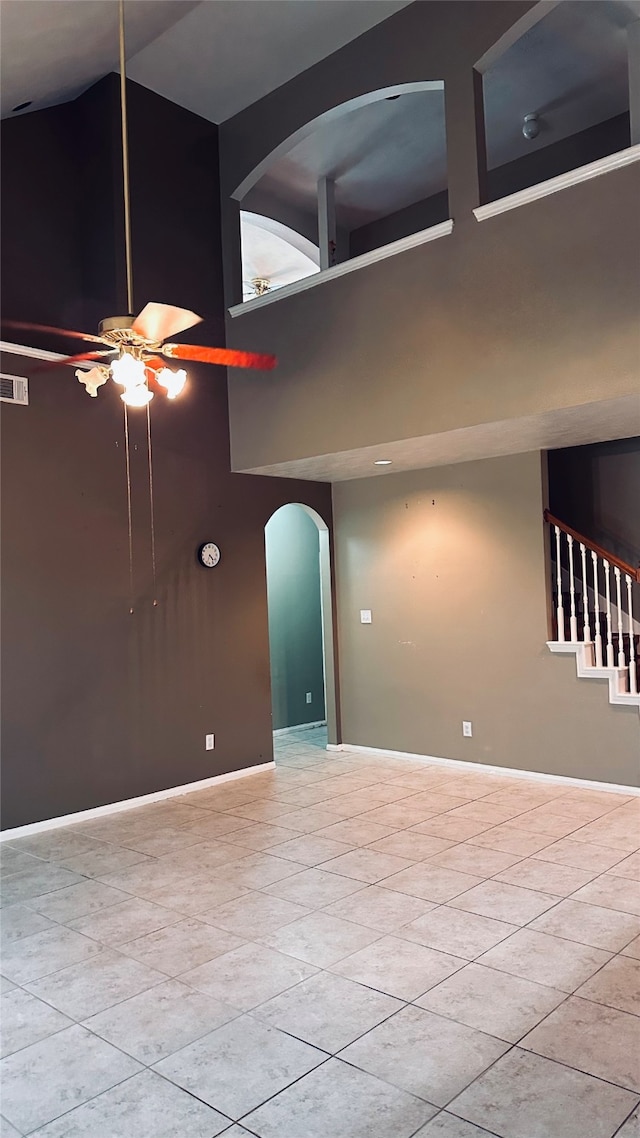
(531, 312)
(295, 617)
(451, 562)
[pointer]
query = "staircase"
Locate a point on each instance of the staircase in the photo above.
(593, 608)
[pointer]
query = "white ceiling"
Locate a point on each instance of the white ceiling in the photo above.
(213, 57)
(52, 50)
(362, 151)
(273, 252)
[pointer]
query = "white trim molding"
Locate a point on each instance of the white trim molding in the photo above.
(411, 242)
(586, 669)
(40, 354)
(300, 727)
(561, 182)
(487, 768)
(130, 803)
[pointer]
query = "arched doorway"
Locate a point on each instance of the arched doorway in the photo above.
(301, 644)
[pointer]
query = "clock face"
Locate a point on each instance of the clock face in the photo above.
(209, 555)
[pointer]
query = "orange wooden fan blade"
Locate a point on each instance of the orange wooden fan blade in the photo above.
(71, 360)
(25, 326)
(157, 321)
(226, 357)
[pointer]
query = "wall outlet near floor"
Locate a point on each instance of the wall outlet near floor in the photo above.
(308, 697)
(467, 729)
(365, 616)
(209, 742)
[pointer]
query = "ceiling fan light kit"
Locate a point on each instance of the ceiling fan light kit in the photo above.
(132, 350)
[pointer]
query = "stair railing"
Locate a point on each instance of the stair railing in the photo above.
(610, 579)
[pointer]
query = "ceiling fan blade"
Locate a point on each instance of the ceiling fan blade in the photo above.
(157, 321)
(226, 357)
(71, 360)
(25, 326)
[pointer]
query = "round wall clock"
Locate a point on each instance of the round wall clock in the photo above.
(208, 555)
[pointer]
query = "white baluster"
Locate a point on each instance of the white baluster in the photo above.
(607, 590)
(573, 620)
(559, 608)
(633, 679)
(596, 606)
(622, 663)
(586, 627)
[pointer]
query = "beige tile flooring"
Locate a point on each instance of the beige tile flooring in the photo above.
(349, 946)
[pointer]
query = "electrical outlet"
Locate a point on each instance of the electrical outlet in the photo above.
(467, 729)
(308, 697)
(209, 742)
(365, 616)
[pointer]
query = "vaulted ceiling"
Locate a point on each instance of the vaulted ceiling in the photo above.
(213, 57)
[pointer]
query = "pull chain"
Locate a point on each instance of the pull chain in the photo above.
(151, 508)
(130, 530)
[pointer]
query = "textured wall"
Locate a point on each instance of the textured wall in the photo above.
(100, 705)
(527, 312)
(451, 562)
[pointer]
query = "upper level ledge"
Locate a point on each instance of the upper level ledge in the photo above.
(410, 242)
(561, 182)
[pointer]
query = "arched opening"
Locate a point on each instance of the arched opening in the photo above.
(362, 175)
(301, 648)
(557, 93)
(273, 254)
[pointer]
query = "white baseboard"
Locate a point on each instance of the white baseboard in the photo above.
(130, 803)
(512, 772)
(300, 727)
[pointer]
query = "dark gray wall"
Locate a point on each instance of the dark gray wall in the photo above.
(567, 154)
(434, 40)
(411, 219)
(548, 162)
(100, 705)
(295, 617)
(525, 313)
(596, 490)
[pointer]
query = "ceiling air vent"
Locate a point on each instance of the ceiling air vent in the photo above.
(14, 389)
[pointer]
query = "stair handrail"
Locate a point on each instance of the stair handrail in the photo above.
(632, 572)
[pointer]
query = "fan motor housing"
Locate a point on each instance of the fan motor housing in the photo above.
(115, 324)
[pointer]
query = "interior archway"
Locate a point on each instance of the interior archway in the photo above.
(301, 639)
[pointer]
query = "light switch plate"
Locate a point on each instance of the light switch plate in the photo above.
(467, 729)
(365, 616)
(209, 742)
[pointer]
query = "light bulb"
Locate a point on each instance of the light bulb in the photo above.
(129, 372)
(137, 396)
(174, 381)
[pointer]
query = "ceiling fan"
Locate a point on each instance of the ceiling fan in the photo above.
(134, 349)
(137, 345)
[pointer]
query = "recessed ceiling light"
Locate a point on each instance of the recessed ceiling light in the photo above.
(22, 106)
(383, 462)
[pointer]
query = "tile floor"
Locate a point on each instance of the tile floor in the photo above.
(349, 946)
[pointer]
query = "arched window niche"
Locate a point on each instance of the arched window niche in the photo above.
(362, 181)
(556, 99)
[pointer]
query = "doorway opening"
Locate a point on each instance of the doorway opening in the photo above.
(301, 652)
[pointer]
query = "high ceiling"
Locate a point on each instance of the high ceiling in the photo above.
(213, 57)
